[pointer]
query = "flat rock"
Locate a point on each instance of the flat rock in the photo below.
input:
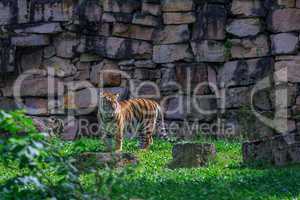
(190, 155)
(30, 40)
(244, 27)
(93, 160)
(179, 18)
(177, 5)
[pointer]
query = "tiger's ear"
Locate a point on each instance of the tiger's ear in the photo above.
(101, 94)
(117, 96)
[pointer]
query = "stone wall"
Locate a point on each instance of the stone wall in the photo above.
(233, 44)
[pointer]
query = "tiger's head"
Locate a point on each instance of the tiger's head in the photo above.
(109, 104)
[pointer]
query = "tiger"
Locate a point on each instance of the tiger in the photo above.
(140, 113)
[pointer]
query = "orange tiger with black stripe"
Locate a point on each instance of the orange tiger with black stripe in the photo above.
(141, 113)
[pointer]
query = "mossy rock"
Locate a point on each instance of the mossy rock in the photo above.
(92, 160)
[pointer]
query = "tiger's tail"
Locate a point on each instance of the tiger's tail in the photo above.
(163, 131)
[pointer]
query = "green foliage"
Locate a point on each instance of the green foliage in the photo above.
(43, 168)
(50, 173)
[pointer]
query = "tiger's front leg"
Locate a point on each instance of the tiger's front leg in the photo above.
(119, 138)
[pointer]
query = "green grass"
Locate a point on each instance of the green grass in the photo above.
(225, 178)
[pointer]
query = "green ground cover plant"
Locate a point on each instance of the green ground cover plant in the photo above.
(224, 178)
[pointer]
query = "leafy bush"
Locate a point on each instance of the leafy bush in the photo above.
(43, 170)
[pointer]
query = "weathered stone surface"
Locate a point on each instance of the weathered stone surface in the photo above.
(181, 107)
(45, 28)
(171, 53)
(38, 87)
(89, 57)
(190, 155)
(244, 72)
(7, 56)
(298, 3)
(65, 45)
(106, 72)
(5, 14)
(146, 74)
(210, 23)
(7, 104)
(244, 27)
(90, 160)
(179, 18)
(209, 51)
(49, 52)
(152, 9)
(119, 48)
(128, 6)
(145, 89)
(146, 20)
(92, 11)
(36, 106)
(248, 8)
(287, 71)
(117, 17)
(172, 34)
(250, 48)
(190, 76)
(279, 150)
(177, 5)
(284, 20)
(284, 43)
(85, 99)
(62, 67)
(237, 97)
(30, 40)
(133, 31)
(285, 3)
(31, 60)
(145, 64)
(49, 11)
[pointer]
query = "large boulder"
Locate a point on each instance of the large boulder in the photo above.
(278, 150)
(190, 155)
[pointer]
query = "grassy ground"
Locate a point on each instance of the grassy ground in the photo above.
(225, 178)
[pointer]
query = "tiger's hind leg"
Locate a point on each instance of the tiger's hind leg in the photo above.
(147, 135)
